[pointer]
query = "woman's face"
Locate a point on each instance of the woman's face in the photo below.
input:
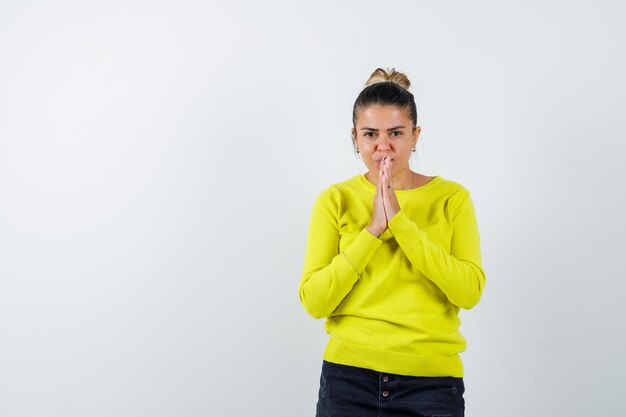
(385, 131)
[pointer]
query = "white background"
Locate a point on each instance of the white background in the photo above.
(159, 161)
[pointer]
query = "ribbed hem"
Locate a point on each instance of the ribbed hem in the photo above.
(392, 362)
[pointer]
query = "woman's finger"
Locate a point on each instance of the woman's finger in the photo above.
(386, 180)
(378, 223)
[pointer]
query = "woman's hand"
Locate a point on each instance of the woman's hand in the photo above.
(378, 224)
(385, 201)
(390, 201)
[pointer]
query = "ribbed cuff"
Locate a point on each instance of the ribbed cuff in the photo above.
(361, 250)
(405, 231)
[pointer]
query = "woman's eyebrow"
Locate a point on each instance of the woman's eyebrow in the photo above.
(391, 128)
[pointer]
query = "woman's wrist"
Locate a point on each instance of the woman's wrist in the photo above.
(376, 231)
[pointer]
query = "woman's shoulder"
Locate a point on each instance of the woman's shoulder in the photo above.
(456, 194)
(451, 186)
(357, 182)
(346, 188)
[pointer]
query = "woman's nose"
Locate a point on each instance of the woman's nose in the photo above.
(383, 143)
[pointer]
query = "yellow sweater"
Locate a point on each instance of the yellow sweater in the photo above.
(392, 302)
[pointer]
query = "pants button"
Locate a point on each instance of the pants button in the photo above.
(385, 378)
(385, 393)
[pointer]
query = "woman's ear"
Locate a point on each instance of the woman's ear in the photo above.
(416, 134)
(356, 146)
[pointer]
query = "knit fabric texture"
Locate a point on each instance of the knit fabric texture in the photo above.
(391, 303)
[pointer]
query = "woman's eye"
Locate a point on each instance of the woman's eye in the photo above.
(396, 134)
(369, 134)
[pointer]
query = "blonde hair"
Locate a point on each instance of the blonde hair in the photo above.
(382, 75)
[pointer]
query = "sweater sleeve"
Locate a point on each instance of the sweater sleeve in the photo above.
(328, 275)
(459, 274)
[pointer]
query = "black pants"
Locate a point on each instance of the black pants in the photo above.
(347, 391)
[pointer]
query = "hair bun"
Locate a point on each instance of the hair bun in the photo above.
(383, 75)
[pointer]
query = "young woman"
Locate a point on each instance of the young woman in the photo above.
(391, 257)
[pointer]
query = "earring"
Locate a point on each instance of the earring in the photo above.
(413, 150)
(357, 150)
